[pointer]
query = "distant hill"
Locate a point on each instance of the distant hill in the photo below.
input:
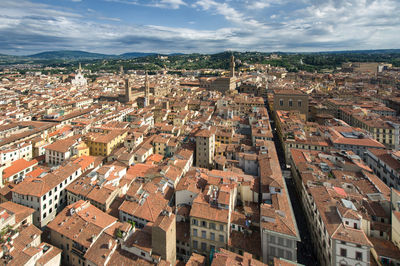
(293, 62)
(70, 55)
(136, 55)
(78, 55)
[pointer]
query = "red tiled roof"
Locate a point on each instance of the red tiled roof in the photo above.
(17, 166)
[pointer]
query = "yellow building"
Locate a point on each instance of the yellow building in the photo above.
(171, 116)
(82, 149)
(223, 136)
(160, 144)
(102, 144)
(209, 228)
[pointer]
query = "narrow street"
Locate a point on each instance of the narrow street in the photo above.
(305, 251)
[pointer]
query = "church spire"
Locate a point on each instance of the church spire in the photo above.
(80, 68)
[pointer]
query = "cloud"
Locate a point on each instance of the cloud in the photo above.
(169, 4)
(310, 25)
(175, 4)
(227, 11)
(258, 4)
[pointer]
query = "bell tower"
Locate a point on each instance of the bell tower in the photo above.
(146, 90)
(128, 91)
(232, 67)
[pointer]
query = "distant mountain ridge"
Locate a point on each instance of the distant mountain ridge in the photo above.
(135, 55)
(70, 55)
(76, 55)
(204, 60)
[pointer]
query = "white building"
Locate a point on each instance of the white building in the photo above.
(46, 195)
(79, 80)
(18, 151)
(386, 165)
(61, 150)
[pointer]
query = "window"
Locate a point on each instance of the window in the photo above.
(194, 232)
(281, 252)
(203, 246)
(299, 103)
(212, 236)
(288, 255)
(194, 221)
(221, 227)
(358, 255)
(203, 223)
(221, 238)
(212, 226)
(272, 239)
(290, 103)
(203, 234)
(280, 102)
(194, 244)
(343, 252)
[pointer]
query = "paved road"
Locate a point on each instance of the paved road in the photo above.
(305, 251)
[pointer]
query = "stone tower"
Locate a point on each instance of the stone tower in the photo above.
(146, 91)
(163, 236)
(121, 70)
(232, 67)
(128, 91)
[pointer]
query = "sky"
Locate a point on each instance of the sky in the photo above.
(201, 26)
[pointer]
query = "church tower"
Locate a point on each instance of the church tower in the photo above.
(128, 91)
(146, 91)
(232, 67)
(80, 69)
